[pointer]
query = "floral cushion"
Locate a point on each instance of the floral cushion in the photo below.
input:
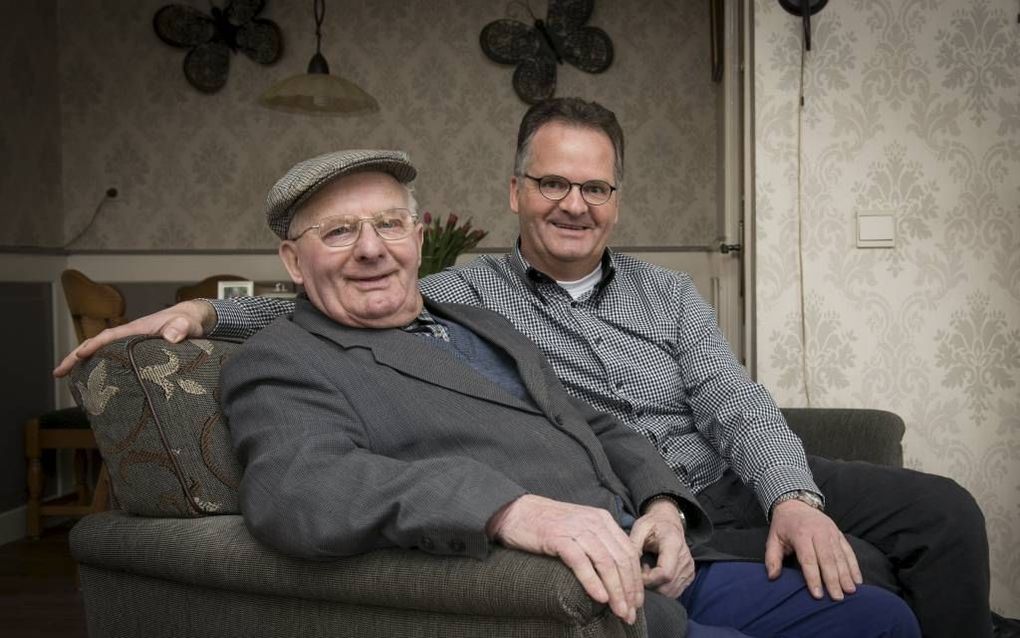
(154, 407)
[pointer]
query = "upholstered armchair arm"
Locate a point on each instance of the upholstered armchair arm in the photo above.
(849, 434)
(218, 553)
(179, 560)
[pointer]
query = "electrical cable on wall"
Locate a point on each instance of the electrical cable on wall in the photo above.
(800, 234)
(110, 194)
(803, 9)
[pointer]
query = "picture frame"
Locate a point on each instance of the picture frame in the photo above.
(231, 289)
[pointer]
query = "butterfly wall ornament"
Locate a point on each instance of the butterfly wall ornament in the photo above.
(537, 48)
(212, 38)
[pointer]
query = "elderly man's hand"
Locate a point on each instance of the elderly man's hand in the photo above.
(661, 532)
(187, 319)
(821, 548)
(587, 539)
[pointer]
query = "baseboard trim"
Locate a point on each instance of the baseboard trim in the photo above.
(14, 523)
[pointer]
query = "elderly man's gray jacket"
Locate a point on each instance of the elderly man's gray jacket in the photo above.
(356, 439)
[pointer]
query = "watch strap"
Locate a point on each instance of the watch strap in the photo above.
(804, 496)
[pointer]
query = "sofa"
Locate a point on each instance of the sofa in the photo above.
(175, 559)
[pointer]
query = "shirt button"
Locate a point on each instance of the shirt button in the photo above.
(573, 304)
(426, 543)
(456, 545)
(619, 385)
(598, 341)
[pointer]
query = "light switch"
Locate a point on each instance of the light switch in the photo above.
(876, 230)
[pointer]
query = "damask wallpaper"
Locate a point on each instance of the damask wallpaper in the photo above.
(193, 169)
(30, 197)
(911, 106)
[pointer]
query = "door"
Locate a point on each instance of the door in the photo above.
(721, 270)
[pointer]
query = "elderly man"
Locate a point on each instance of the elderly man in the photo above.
(637, 341)
(372, 417)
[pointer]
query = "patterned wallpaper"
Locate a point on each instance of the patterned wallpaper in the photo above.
(30, 197)
(912, 106)
(193, 169)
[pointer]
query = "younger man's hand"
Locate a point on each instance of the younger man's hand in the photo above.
(187, 319)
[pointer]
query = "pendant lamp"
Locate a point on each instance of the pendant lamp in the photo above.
(317, 91)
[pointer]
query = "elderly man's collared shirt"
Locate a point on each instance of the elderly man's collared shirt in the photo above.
(426, 325)
(643, 346)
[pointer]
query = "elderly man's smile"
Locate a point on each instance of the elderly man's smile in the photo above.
(370, 282)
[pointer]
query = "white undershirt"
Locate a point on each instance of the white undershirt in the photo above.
(581, 287)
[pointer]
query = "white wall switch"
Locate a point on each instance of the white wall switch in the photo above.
(876, 229)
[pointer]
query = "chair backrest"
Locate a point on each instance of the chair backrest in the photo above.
(205, 289)
(849, 434)
(94, 306)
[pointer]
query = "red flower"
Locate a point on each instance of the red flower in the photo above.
(444, 241)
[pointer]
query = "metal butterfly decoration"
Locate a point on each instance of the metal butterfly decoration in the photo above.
(537, 49)
(212, 38)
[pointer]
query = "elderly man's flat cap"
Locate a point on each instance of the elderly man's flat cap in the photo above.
(307, 177)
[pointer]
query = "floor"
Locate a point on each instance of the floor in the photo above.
(39, 595)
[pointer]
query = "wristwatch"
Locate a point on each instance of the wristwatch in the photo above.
(672, 499)
(804, 496)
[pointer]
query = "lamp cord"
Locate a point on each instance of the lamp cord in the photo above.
(319, 8)
(800, 235)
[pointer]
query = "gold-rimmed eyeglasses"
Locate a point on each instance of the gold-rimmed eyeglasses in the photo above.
(344, 230)
(555, 188)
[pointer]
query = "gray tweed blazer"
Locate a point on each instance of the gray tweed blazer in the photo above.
(356, 439)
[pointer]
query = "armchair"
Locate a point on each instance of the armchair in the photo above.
(176, 558)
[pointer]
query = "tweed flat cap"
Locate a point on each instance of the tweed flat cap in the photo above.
(307, 177)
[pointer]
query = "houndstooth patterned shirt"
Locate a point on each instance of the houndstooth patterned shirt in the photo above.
(642, 345)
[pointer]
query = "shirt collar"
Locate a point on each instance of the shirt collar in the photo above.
(532, 276)
(426, 324)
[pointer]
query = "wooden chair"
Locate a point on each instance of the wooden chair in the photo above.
(205, 289)
(94, 307)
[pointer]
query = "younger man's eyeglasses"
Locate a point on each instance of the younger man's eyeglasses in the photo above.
(553, 187)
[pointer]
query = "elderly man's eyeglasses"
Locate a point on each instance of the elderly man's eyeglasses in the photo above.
(338, 232)
(553, 187)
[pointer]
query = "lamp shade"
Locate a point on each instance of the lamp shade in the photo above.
(318, 93)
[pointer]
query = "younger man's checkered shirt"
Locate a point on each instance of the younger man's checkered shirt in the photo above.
(642, 345)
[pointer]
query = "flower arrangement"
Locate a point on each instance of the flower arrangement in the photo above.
(444, 241)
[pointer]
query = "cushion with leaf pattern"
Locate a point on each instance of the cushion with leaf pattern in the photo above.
(154, 407)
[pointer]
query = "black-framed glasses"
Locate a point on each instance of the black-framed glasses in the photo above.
(344, 230)
(553, 187)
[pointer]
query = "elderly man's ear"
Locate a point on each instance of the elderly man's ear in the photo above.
(291, 261)
(421, 241)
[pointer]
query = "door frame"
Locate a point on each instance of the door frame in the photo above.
(733, 271)
(745, 34)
